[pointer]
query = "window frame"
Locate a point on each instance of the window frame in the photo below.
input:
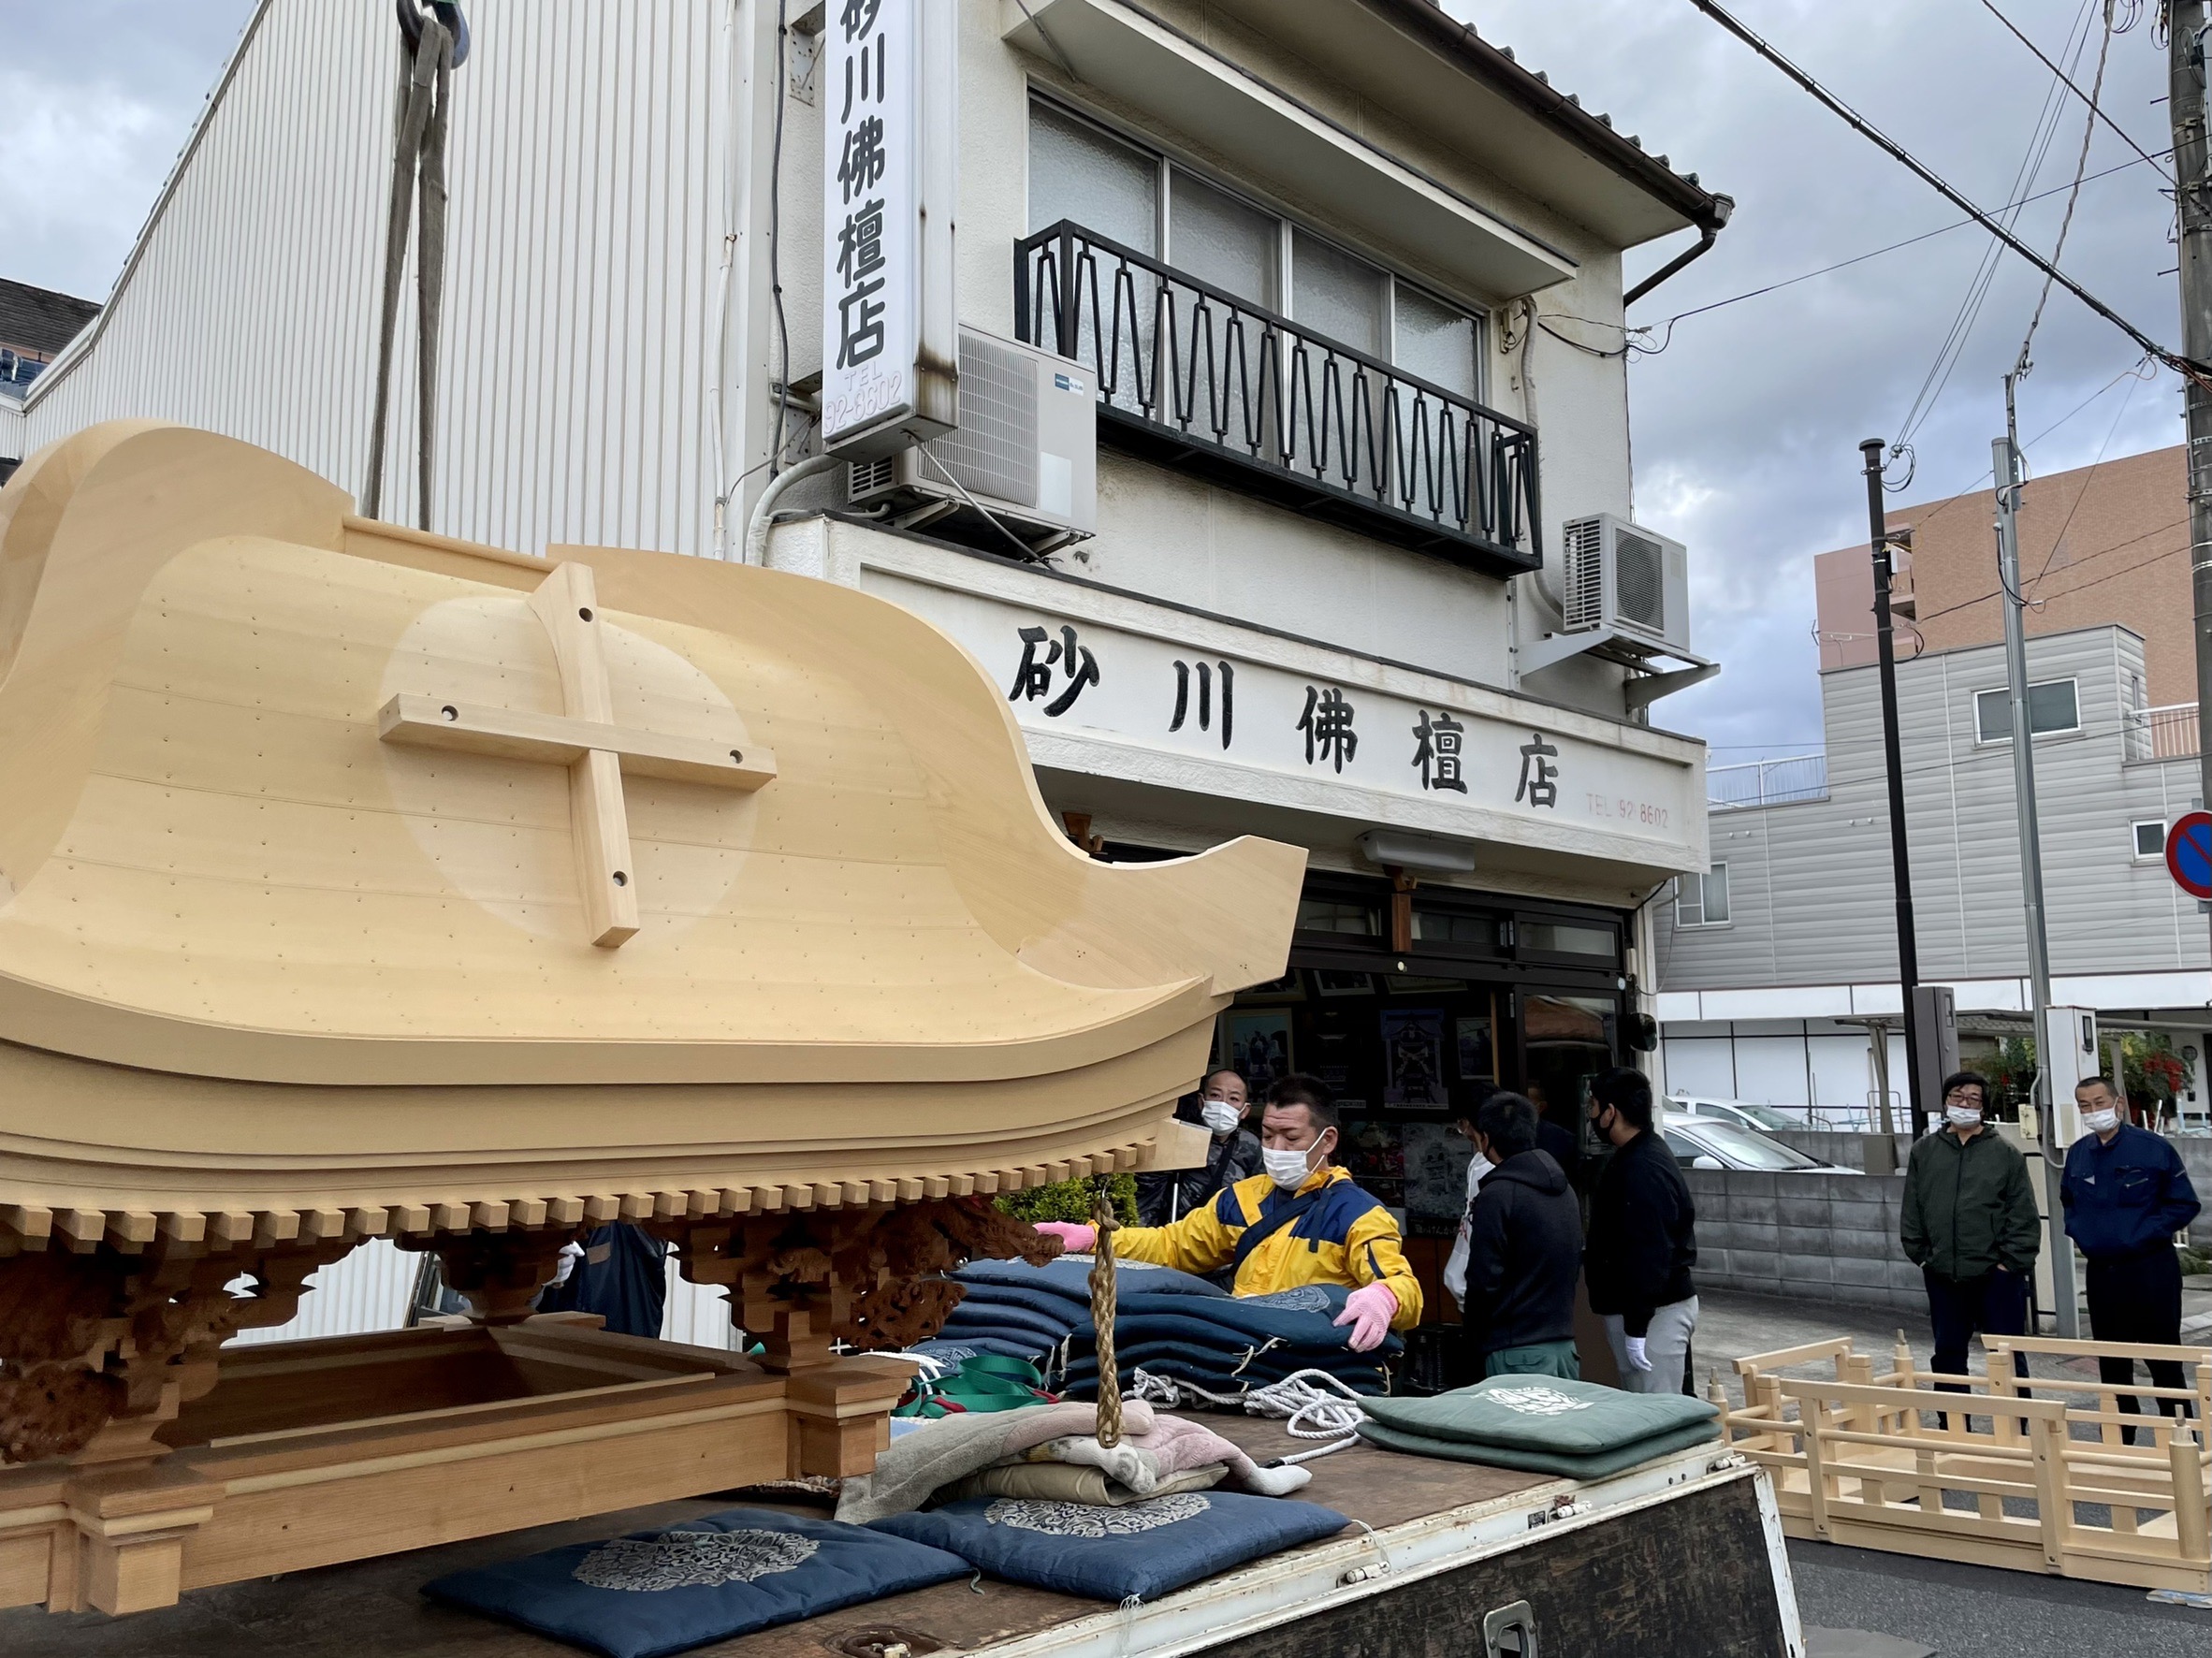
(1727, 909)
(2135, 829)
(1168, 159)
(2033, 685)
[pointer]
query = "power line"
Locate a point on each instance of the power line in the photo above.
(1953, 347)
(1788, 281)
(1935, 181)
(2095, 113)
(2081, 165)
(2083, 493)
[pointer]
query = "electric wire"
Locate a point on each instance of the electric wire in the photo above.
(2022, 364)
(2083, 493)
(2095, 113)
(775, 234)
(1667, 326)
(1953, 347)
(1936, 182)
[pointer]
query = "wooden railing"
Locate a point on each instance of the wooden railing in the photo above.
(2000, 1470)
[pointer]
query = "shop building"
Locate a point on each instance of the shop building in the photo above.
(1291, 492)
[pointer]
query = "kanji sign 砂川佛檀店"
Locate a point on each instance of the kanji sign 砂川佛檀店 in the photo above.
(2189, 854)
(889, 116)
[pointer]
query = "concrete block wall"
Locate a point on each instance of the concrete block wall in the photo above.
(1848, 1151)
(2196, 1156)
(1812, 1238)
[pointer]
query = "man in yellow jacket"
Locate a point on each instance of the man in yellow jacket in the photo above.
(1302, 1221)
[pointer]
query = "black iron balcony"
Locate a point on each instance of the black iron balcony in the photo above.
(1192, 376)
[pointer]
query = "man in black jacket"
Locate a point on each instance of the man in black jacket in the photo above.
(1524, 1249)
(1643, 1240)
(1223, 1105)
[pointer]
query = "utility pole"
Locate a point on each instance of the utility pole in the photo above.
(2185, 86)
(1908, 948)
(2006, 464)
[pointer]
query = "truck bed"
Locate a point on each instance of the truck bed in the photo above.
(1682, 1556)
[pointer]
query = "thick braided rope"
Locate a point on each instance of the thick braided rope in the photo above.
(1102, 1315)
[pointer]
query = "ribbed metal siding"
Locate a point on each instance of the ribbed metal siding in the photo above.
(364, 1291)
(1809, 884)
(586, 227)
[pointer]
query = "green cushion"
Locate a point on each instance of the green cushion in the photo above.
(1593, 1466)
(1557, 1416)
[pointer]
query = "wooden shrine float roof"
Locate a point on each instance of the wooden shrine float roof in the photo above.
(357, 881)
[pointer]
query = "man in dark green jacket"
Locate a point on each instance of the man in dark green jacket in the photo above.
(1970, 1226)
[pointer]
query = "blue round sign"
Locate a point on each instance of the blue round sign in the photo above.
(2189, 854)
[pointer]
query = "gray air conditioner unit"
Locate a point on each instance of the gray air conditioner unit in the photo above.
(1623, 596)
(1619, 577)
(1025, 453)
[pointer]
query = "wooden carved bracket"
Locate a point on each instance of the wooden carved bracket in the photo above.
(97, 1350)
(870, 1278)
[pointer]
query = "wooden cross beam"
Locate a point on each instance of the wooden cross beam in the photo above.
(585, 738)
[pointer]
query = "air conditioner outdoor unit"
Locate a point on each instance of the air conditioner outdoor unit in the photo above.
(1621, 579)
(1025, 453)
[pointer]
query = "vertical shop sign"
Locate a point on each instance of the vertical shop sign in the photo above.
(890, 175)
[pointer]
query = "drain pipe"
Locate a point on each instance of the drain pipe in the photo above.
(763, 510)
(1708, 235)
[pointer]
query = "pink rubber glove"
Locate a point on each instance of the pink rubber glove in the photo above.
(1369, 1312)
(1075, 1237)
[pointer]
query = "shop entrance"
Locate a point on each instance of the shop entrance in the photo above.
(1491, 992)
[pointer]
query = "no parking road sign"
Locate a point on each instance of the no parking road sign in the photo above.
(2189, 854)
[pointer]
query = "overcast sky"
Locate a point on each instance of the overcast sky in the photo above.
(1746, 428)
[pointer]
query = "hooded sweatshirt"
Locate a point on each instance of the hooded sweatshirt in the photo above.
(1524, 1252)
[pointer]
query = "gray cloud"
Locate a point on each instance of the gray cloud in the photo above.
(96, 99)
(1747, 427)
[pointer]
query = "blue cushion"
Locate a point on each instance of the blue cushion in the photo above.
(1143, 1549)
(1004, 1318)
(1069, 1276)
(706, 1579)
(1063, 1313)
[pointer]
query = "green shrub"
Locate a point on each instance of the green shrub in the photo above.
(1071, 1199)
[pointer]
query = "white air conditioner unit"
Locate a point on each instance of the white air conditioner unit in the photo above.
(1025, 453)
(1622, 578)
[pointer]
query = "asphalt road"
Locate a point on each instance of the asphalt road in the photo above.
(1976, 1612)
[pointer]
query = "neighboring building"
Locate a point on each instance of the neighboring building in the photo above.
(1237, 630)
(2101, 544)
(1765, 960)
(34, 324)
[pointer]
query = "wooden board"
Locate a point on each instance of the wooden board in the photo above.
(373, 1607)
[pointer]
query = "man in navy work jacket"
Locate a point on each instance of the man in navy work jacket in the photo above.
(2126, 1195)
(1643, 1240)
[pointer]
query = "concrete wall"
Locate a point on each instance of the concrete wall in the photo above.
(1810, 1238)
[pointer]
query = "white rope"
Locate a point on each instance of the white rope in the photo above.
(1321, 1407)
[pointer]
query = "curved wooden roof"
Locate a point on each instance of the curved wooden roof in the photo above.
(353, 874)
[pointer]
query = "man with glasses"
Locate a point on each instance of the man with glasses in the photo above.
(1970, 1226)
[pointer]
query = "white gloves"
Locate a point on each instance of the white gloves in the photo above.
(1637, 1357)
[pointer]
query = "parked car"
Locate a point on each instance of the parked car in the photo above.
(1766, 1118)
(1761, 1119)
(1708, 1143)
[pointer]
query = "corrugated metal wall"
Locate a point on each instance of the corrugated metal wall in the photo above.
(585, 167)
(1810, 890)
(362, 1291)
(368, 1288)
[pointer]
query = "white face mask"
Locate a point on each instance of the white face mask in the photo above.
(2100, 1122)
(1219, 1115)
(1963, 1117)
(1287, 1169)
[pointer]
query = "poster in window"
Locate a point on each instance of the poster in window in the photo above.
(1260, 1050)
(1436, 1157)
(1374, 1153)
(1413, 1059)
(1478, 1054)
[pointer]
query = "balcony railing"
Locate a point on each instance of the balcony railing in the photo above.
(1766, 782)
(1189, 374)
(2162, 734)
